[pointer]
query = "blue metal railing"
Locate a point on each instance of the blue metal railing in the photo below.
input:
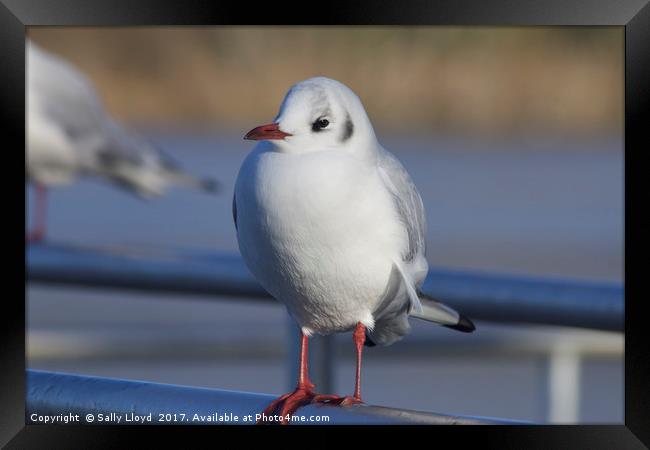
(499, 298)
(78, 399)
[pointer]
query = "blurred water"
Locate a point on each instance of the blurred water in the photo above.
(547, 207)
(538, 207)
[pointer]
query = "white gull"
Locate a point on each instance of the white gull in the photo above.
(332, 225)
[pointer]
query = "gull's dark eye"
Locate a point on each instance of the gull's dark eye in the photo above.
(320, 124)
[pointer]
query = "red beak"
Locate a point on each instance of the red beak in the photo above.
(266, 132)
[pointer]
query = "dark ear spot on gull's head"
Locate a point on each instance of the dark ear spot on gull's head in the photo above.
(348, 129)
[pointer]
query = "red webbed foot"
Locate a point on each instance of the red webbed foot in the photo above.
(288, 404)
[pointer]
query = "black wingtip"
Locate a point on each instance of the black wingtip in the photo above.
(210, 185)
(369, 342)
(464, 324)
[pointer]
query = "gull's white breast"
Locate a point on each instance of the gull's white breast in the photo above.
(319, 231)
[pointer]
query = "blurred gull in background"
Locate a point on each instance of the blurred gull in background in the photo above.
(70, 134)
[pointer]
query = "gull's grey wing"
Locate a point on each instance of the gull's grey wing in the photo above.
(408, 203)
(413, 268)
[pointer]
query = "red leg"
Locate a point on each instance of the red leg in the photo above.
(40, 213)
(359, 338)
(303, 395)
(303, 370)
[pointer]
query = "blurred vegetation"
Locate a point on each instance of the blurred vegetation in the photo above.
(469, 80)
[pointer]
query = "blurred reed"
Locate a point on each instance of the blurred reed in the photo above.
(454, 80)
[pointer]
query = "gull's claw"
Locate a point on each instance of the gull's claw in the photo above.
(288, 404)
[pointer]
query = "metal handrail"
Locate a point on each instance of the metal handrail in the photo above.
(78, 399)
(481, 296)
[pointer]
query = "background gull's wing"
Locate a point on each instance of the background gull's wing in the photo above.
(66, 99)
(62, 94)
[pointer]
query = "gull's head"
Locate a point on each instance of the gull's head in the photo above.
(318, 114)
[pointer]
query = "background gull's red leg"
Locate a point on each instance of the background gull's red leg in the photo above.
(40, 213)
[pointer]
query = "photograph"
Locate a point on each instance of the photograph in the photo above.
(243, 225)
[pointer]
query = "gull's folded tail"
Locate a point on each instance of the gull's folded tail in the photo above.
(437, 312)
(464, 324)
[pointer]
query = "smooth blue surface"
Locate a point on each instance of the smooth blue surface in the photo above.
(52, 393)
(480, 296)
(528, 206)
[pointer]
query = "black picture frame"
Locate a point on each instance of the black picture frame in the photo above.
(633, 15)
